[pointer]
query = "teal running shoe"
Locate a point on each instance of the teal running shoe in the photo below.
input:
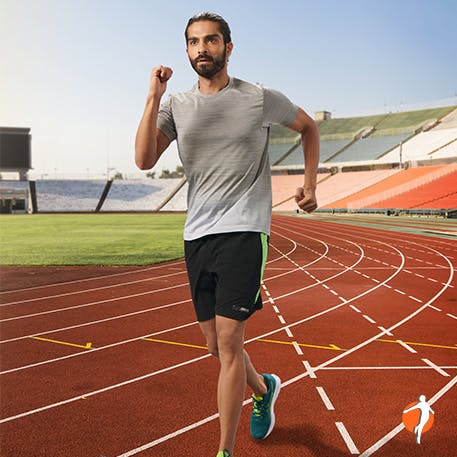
(263, 414)
(224, 453)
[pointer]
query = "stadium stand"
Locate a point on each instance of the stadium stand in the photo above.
(360, 168)
(68, 195)
(434, 194)
(284, 186)
(342, 185)
(178, 202)
(139, 195)
(328, 148)
(395, 184)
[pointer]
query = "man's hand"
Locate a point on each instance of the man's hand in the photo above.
(158, 82)
(306, 199)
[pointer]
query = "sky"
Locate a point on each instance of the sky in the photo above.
(76, 72)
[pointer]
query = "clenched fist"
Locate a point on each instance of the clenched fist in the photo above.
(158, 82)
(306, 199)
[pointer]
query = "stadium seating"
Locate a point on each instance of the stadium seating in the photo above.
(179, 201)
(68, 195)
(342, 185)
(439, 193)
(284, 186)
(395, 184)
(370, 148)
(139, 195)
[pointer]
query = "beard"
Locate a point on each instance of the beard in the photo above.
(211, 66)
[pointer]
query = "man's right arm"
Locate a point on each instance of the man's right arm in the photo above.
(150, 142)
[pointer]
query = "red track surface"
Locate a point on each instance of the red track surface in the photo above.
(372, 314)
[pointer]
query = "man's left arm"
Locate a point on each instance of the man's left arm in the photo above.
(306, 196)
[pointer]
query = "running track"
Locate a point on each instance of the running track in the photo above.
(357, 322)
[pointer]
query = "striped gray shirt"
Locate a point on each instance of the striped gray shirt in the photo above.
(222, 141)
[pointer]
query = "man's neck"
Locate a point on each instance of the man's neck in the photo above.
(213, 85)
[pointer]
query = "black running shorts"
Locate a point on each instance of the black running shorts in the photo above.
(225, 271)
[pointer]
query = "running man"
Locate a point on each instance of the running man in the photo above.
(221, 127)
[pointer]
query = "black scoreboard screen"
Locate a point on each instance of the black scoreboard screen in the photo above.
(15, 149)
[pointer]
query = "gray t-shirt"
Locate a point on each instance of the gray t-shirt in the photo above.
(223, 145)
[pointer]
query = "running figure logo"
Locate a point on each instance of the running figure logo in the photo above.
(418, 417)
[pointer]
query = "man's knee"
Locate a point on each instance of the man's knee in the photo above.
(213, 349)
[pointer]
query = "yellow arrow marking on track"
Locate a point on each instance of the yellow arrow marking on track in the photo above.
(87, 345)
(420, 344)
(332, 347)
(175, 343)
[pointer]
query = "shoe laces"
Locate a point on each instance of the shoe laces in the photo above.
(259, 406)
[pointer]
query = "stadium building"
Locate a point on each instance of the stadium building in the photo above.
(395, 163)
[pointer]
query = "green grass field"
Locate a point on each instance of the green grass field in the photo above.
(90, 239)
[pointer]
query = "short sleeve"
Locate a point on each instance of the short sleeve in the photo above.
(277, 108)
(165, 121)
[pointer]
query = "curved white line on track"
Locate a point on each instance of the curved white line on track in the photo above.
(108, 300)
(303, 375)
(84, 291)
(290, 381)
(108, 388)
(59, 284)
(101, 348)
(96, 322)
(152, 309)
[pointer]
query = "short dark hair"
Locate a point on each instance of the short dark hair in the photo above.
(213, 17)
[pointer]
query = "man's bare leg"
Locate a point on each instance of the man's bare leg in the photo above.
(225, 339)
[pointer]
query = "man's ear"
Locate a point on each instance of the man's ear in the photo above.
(229, 49)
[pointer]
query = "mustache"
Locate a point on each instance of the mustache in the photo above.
(204, 58)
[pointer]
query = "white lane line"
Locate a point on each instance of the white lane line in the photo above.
(408, 348)
(369, 319)
(434, 307)
(301, 376)
(435, 367)
(385, 330)
(328, 404)
(112, 286)
(99, 302)
(122, 316)
(415, 299)
(60, 284)
(267, 293)
(385, 439)
(290, 381)
(104, 389)
(101, 348)
(281, 319)
(357, 310)
(400, 292)
(333, 292)
(347, 438)
(309, 369)
(289, 333)
(275, 307)
(170, 435)
(297, 348)
(451, 315)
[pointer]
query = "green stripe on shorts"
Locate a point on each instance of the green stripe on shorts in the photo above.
(264, 241)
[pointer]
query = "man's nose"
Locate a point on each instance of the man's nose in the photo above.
(202, 49)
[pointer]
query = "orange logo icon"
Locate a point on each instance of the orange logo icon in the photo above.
(418, 417)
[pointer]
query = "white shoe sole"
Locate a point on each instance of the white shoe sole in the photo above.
(273, 401)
